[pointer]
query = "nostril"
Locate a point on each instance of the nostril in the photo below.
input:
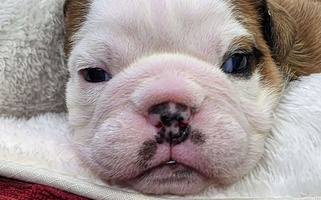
(159, 125)
(182, 124)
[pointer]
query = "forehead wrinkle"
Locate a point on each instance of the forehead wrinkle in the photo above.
(140, 31)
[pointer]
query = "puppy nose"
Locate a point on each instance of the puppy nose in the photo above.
(172, 122)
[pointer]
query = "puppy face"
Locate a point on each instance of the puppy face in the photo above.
(169, 97)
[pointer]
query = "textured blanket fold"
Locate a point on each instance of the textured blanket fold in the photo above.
(38, 150)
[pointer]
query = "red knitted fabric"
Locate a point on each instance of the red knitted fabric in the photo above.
(15, 190)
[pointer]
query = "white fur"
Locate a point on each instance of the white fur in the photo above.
(169, 51)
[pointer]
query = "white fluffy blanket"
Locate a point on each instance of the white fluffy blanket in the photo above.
(38, 150)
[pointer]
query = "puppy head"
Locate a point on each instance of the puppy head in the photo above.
(169, 97)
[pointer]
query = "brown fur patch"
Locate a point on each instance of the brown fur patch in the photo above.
(247, 14)
(295, 32)
(75, 14)
(283, 32)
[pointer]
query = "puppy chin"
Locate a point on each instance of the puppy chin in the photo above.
(175, 180)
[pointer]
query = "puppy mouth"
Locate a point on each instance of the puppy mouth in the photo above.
(169, 171)
(171, 162)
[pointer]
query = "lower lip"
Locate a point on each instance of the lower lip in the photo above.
(166, 172)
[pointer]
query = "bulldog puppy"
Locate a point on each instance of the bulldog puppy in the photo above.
(170, 96)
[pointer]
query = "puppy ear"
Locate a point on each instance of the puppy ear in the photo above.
(279, 29)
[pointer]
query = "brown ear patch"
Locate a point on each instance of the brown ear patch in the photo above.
(305, 58)
(75, 12)
(277, 27)
(291, 30)
(283, 32)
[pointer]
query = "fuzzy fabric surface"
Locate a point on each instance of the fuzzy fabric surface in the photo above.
(10, 189)
(38, 150)
(32, 66)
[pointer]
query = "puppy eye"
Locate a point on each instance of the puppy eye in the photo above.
(237, 64)
(96, 75)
